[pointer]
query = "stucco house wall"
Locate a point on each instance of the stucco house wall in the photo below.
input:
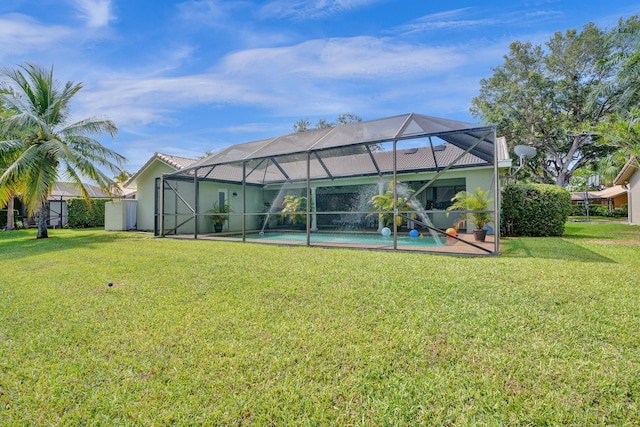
(630, 177)
(634, 199)
(144, 182)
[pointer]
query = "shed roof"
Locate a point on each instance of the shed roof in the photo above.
(627, 171)
(611, 192)
(607, 193)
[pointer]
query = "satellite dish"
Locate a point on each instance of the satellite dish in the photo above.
(524, 151)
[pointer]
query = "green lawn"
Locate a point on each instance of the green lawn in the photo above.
(217, 333)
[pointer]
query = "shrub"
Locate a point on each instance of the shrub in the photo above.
(622, 211)
(534, 210)
(578, 210)
(83, 214)
(599, 210)
(3, 217)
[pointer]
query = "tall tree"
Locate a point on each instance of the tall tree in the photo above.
(43, 145)
(540, 97)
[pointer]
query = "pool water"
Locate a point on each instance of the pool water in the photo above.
(345, 238)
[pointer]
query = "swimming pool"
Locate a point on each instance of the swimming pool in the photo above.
(366, 239)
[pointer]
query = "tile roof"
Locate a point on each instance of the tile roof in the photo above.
(175, 162)
(68, 190)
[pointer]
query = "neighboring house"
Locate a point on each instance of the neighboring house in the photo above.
(62, 191)
(611, 198)
(630, 179)
(143, 182)
(57, 202)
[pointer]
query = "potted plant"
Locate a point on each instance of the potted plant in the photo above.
(292, 207)
(219, 214)
(476, 204)
(384, 202)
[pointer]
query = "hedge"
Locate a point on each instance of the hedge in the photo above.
(534, 210)
(599, 210)
(83, 215)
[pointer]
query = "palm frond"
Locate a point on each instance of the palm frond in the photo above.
(91, 126)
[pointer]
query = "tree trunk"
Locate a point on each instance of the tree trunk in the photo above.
(10, 207)
(42, 222)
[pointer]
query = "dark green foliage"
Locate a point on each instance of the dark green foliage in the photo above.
(621, 212)
(83, 215)
(3, 217)
(534, 210)
(599, 210)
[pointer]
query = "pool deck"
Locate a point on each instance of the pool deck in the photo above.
(465, 245)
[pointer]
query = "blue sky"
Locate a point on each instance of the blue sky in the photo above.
(183, 77)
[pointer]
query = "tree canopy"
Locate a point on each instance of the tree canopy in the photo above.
(544, 97)
(304, 125)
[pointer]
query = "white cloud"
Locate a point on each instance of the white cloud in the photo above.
(357, 57)
(20, 34)
(312, 73)
(214, 13)
(141, 101)
(202, 10)
(450, 19)
(310, 9)
(97, 13)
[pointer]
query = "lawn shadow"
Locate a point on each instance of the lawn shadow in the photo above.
(22, 244)
(550, 248)
(610, 230)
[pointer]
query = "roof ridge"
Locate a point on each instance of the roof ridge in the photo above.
(171, 156)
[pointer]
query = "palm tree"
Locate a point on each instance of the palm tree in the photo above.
(476, 205)
(624, 63)
(3, 165)
(43, 146)
(122, 177)
(8, 194)
(623, 132)
(628, 78)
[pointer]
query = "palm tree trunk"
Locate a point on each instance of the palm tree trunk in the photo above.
(42, 222)
(10, 207)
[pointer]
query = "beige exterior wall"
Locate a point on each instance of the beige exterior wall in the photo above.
(634, 199)
(145, 194)
(209, 195)
(620, 200)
